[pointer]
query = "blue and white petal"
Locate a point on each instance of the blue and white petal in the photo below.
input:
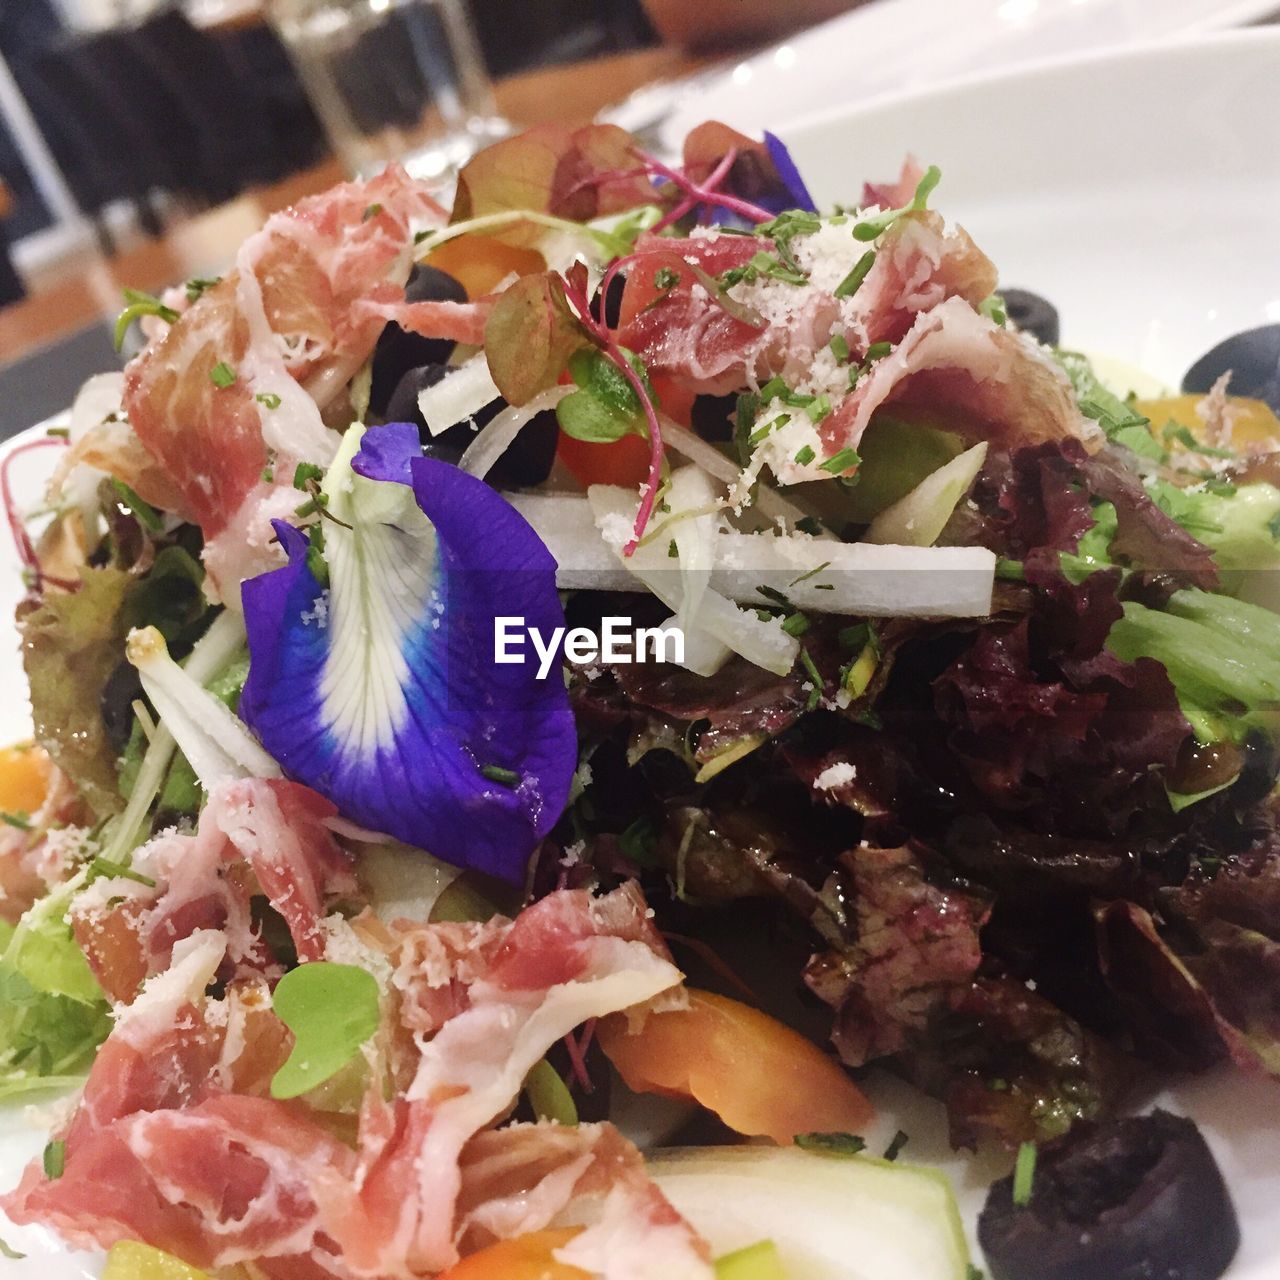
(381, 691)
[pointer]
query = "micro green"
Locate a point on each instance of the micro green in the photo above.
(332, 1010)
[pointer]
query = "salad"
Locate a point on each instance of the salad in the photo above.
(531, 698)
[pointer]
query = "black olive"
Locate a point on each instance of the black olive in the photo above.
(398, 350)
(612, 304)
(1133, 1199)
(122, 690)
(528, 460)
(1032, 314)
(1253, 358)
(712, 417)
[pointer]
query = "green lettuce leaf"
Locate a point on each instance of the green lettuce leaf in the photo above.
(53, 1014)
(1222, 654)
(1240, 524)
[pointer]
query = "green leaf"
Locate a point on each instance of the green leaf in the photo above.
(1100, 403)
(1223, 657)
(530, 335)
(332, 1009)
(832, 1144)
(549, 1096)
(605, 407)
(1238, 524)
(71, 645)
(872, 228)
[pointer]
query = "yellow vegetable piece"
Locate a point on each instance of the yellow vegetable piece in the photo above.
(1252, 421)
(24, 779)
(755, 1262)
(130, 1260)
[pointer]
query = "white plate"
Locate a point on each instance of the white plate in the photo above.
(907, 45)
(1140, 191)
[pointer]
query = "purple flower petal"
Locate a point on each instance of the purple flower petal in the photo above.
(790, 175)
(381, 691)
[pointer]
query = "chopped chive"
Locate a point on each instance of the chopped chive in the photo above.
(268, 399)
(840, 462)
(55, 1159)
(16, 819)
(198, 285)
(145, 514)
(810, 573)
(804, 456)
(268, 474)
(312, 505)
(849, 285)
(106, 869)
(139, 304)
(666, 278)
(1024, 1172)
(878, 350)
(305, 472)
(839, 347)
(8, 1251)
(317, 565)
(818, 408)
(835, 1144)
(496, 773)
(771, 593)
(795, 624)
(673, 552)
(222, 375)
(371, 212)
(815, 694)
(854, 637)
(59, 433)
(894, 1149)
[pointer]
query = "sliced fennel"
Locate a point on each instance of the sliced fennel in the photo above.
(829, 1217)
(816, 575)
(761, 641)
(918, 517)
(495, 438)
(459, 395)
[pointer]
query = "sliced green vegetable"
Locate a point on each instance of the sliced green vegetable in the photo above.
(549, 1096)
(828, 1219)
(755, 1262)
(332, 1009)
(1024, 1172)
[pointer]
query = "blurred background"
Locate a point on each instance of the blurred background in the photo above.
(141, 141)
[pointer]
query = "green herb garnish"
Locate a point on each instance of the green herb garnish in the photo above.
(835, 1144)
(1024, 1172)
(222, 375)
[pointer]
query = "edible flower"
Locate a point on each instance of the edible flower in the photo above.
(380, 689)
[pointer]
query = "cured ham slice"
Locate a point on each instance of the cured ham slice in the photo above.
(264, 832)
(159, 1149)
(705, 341)
(986, 382)
(522, 1178)
(223, 389)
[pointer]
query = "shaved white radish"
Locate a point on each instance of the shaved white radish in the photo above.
(918, 517)
(689, 444)
(762, 642)
(694, 519)
(459, 395)
(495, 438)
(815, 575)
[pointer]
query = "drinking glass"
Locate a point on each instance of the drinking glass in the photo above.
(399, 80)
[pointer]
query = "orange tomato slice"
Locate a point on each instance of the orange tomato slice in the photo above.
(760, 1077)
(480, 263)
(24, 778)
(1252, 421)
(526, 1257)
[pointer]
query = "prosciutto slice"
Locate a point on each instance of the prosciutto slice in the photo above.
(245, 372)
(987, 382)
(161, 1150)
(267, 833)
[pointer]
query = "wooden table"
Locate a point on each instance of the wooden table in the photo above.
(89, 289)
